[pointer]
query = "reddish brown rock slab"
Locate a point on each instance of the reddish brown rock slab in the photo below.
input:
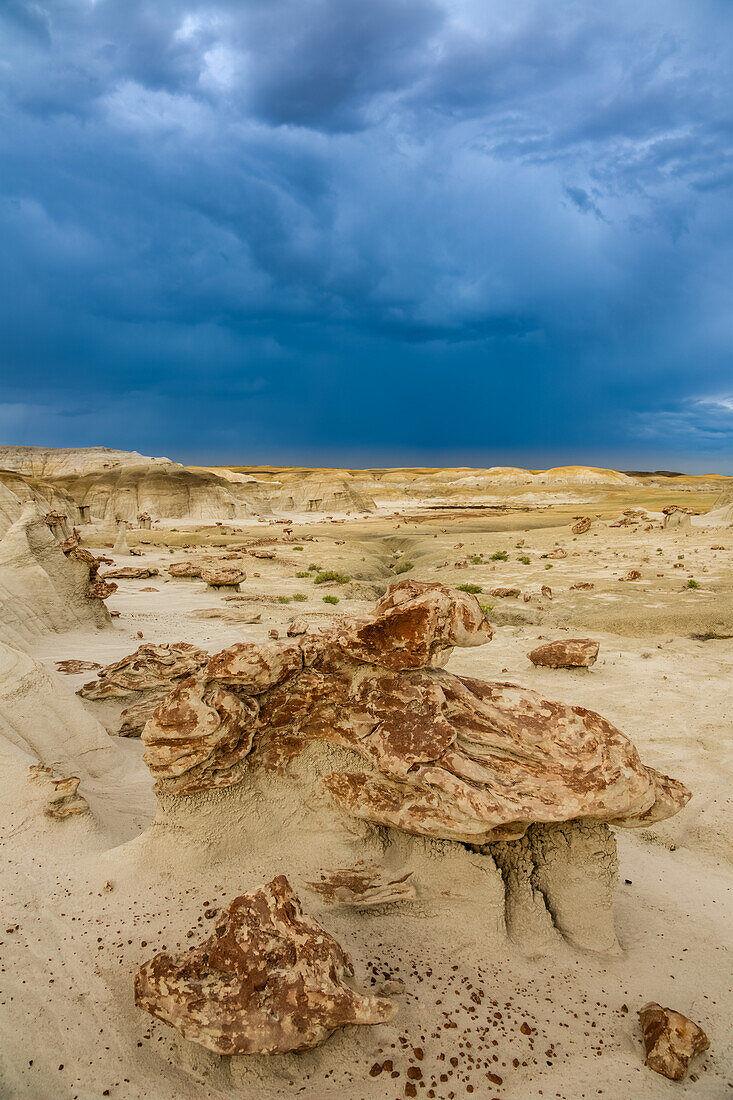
(503, 593)
(582, 586)
(566, 653)
(268, 980)
(558, 552)
(581, 526)
(632, 575)
(364, 886)
(150, 666)
(73, 666)
(670, 1040)
(131, 573)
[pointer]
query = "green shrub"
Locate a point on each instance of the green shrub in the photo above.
(548, 565)
(301, 575)
(692, 584)
(524, 560)
(330, 599)
(298, 548)
(472, 588)
(331, 575)
(500, 555)
(300, 596)
(314, 568)
(486, 608)
(283, 599)
(476, 560)
(404, 567)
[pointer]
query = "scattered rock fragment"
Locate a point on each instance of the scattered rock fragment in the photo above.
(632, 575)
(566, 653)
(581, 526)
(582, 586)
(503, 593)
(670, 1040)
(268, 980)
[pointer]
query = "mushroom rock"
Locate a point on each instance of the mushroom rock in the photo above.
(581, 526)
(222, 577)
(268, 980)
(150, 666)
(442, 756)
(670, 1040)
(677, 517)
(566, 653)
(131, 572)
(145, 521)
(184, 569)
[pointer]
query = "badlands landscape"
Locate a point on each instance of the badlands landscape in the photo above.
(363, 783)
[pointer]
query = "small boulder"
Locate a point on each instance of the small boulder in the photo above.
(581, 526)
(566, 653)
(670, 1040)
(223, 577)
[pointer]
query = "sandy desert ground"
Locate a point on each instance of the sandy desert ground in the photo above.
(490, 1004)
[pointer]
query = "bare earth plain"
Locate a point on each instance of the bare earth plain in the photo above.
(87, 900)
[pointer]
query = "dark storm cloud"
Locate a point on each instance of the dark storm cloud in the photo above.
(397, 226)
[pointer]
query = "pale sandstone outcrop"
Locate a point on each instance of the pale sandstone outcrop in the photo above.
(445, 756)
(268, 980)
(41, 588)
(670, 1040)
(150, 666)
(566, 653)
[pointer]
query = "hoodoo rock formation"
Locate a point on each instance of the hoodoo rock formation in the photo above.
(268, 980)
(442, 756)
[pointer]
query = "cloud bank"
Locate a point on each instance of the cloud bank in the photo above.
(394, 230)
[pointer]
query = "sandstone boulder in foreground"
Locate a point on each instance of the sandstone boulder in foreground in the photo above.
(566, 653)
(670, 1040)
(268, 980)
(443, 756)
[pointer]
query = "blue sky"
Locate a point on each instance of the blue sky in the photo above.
(373, 232)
